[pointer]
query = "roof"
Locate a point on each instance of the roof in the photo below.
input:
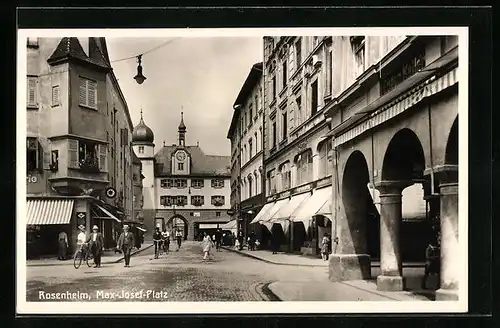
(201, 163)
(70, 48)
(252, 79)
(142, 133)
(234, 122)
(135, 159)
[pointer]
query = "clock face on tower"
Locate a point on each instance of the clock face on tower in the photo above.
(180, 155)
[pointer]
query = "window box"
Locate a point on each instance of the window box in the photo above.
(89, 165)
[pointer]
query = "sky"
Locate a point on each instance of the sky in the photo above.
(199, 76)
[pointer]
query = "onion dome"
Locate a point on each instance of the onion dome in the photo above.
(142, 133)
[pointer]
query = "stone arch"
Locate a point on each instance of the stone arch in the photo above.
(358, 206)
(451, 153)
(173, 223)
(404, 158)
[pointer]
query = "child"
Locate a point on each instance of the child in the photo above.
(237, 244)
(257, 244)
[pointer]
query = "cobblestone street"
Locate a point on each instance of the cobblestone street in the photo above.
(178, 276)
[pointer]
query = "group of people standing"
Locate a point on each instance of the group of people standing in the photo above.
(161, 240)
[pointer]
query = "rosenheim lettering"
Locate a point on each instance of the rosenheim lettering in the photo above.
(63, 296)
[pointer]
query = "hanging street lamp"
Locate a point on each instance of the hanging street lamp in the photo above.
(139, 78)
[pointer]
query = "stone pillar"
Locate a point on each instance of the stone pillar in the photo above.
(450, 268)
(391, 278)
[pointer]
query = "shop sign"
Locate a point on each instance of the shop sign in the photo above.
(81, 218)
(196, 214)
(409, 68)
(31, 179)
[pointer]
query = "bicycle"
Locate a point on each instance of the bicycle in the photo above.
(82, 255)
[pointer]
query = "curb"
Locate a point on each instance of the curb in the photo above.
(272, 262)
(67, 262)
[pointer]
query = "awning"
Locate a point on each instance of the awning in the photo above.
(263, 211)
(49, 211)
(326, 209)
(231, 225)
(312, 206)
(287, 210)
(110, 216)
(413, 202)
(276, 207)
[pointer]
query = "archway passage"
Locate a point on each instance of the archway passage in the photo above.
(451, 155)
(362, 216)
(178, 222)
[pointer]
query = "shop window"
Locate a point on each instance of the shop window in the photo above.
(217, 183)
(197, 200)
(218, 200)
(197, 183)
(88, 93)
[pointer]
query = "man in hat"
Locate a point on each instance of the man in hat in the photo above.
(96, 243)
(126, 242)
(81, 238)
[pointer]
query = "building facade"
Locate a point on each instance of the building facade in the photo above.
(234, 135)
(184, 189)
(137, 197)
(249, 110)
(71, 90)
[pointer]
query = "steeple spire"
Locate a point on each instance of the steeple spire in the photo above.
(182, 131)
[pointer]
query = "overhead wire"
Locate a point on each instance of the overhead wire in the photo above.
(147, 52)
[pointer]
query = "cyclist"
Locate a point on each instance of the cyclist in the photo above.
(81, 239)
(166, 240)
(157, 241)
(178, 237)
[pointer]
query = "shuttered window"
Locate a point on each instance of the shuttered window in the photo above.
(55, 95)
(32, 100)
(73, 153)
(103, 156)
(88, 93)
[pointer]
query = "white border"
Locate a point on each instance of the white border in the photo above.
(24, 307)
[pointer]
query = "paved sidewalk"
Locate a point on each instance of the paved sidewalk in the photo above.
(107, 258)
(281, 258)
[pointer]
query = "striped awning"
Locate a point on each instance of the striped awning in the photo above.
(111, 216)
(49, 211)
(401, 104)
(261, 213)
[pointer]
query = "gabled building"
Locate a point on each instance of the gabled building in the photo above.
(78, 132)
(184, 188)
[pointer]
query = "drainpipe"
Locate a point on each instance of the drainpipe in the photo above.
(336, 193)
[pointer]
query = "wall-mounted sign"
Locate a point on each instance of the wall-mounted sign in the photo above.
(110, 192)
(31, 179)
(81, 218)
(196, 214)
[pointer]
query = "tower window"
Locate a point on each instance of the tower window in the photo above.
(141, 149)
(180, 166)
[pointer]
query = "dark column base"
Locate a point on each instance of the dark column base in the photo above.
(447, 295)
(349, 267)
(390, 283)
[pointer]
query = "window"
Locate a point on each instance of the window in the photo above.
(88, 93)
(167, 183)
(250, 111)
(250, 148)
(274, 88)
(314, 98)
(256, 101)
(284, 74)
(245, 121)
(217, 183)
(218, 200)
(298, 52)
(180, 166)
(32, 155)
(87, 155)
(256, 143)
(197, 183)
(274, 134)
(55, 95)
(32, 95)
(325, 167)
(217, 213)
(328, 75)
(304, 167)
(284, 125)
(271, 182)
(141, 149)
(180, 183)
(197, 200)
(54, 160)
(250, 186)
(358, 46)
(32, 42)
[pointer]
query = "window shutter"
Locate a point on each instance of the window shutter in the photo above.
(31, 91)
(92, 93)
(39, 164)
(47, 159)
(73, 153)
(55, 95)
(103, 158)
(82, 100)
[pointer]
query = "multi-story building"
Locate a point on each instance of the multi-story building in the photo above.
(234, 135)
(137, 197)
(249, 109)
(74, 108)
(183, 187)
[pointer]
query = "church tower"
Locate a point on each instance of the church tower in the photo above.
(142, 143)
(182, 132)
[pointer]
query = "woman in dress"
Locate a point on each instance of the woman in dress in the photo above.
(206, 244)
(325, 249)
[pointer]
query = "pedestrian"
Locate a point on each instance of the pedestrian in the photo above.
(206, 245)
(178, 237)
(218, 239)
(233, 239)
(257, 244)
(63, 246)
(432, 262)
(157, 241)
(166, 240)
(240, 241)
(325, 246)
(252, 239)
(126, 242)
(96, 243)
